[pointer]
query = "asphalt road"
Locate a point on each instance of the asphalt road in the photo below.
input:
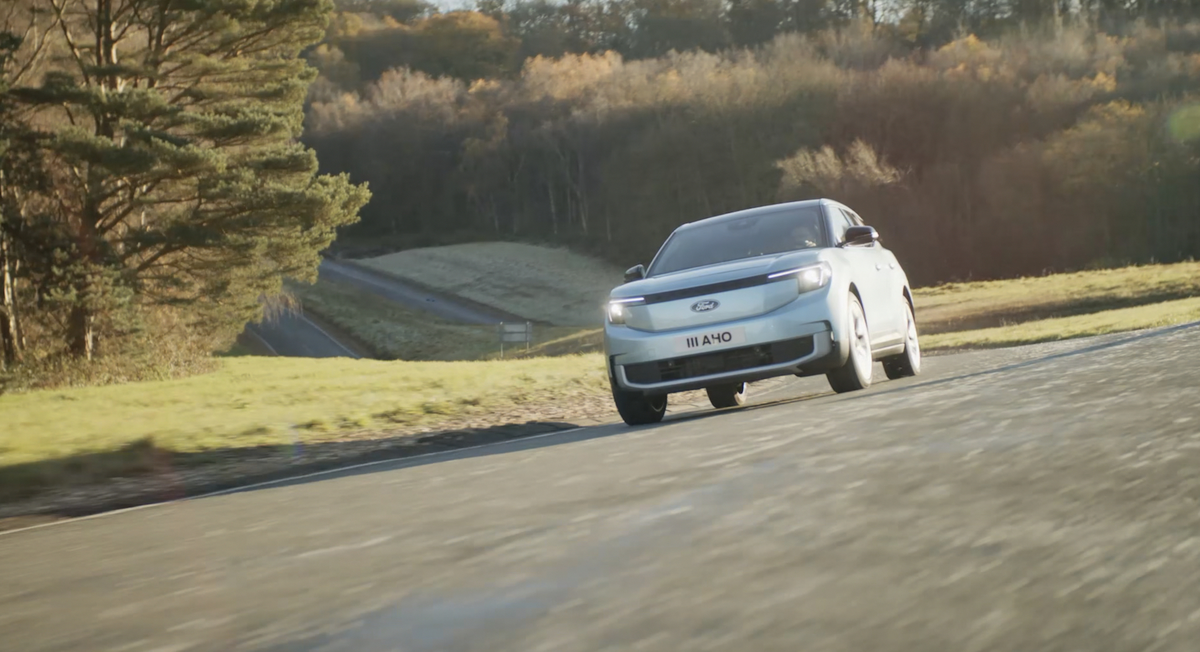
(408, 295)
(295, 335)
(1035, 499)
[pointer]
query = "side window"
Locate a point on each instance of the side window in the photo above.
(841, 222)
(854, 220)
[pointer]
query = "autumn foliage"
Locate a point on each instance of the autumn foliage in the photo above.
(1029, 150)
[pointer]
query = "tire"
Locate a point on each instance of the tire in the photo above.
(637, 409)
(856, 373)
(907, 363)
(727, 395)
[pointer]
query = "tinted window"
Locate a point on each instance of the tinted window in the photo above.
(759, 235)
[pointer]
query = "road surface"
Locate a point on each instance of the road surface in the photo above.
(408, 295)
(293, 334)
(1037, 499)
(296, 335)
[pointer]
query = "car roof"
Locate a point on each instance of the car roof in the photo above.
(758, 210)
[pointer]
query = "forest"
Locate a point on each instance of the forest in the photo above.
(983, 139)
(165, 166)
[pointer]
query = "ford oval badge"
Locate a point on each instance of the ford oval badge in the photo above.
(705, 306)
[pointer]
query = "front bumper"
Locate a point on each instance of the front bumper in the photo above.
(800, 338)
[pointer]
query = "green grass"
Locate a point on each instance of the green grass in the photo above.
(1153, 315)
(59, 436)
(543, 284)
(989, 304)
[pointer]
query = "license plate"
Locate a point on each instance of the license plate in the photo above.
(714, 339)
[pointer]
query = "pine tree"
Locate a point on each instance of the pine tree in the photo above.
(179, 181)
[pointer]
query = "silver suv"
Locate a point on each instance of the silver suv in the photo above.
(803, 288)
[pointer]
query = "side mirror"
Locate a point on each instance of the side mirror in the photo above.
(635, 273)
(861, 235)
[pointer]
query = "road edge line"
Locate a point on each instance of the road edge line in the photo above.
(331, 338)
(380, 278)
(262, 340)
(312, 474)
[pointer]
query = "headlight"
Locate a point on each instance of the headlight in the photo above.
(808, 278)
(617, 308)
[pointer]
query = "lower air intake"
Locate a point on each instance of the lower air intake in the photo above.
(717, 362)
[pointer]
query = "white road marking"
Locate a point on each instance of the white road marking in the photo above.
(253, 331)
(320, 330)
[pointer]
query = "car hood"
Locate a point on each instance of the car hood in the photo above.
(731, 271)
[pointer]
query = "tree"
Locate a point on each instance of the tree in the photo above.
(24, 45)
(9, 333)
(178, 182)
(753, 22)
(401, 11)
(467, 45)
(680, 25)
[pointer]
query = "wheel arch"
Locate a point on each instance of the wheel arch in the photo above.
(858, 295)
(911, 306)
(842, 338)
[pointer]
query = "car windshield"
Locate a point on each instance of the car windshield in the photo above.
(746, 237)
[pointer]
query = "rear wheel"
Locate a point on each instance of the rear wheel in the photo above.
(856, 373)
(907, 363)
(637, 409)
(727, 395)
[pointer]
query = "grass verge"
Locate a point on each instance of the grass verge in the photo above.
(80, 435)
(1167, 313)
(958, 307)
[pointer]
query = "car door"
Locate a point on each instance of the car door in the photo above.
(862, 270)
(885, 318)
(874, 268)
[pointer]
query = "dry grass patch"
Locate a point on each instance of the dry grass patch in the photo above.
(543, 284)
(587, 340)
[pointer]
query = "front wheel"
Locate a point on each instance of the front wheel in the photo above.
(637, 409)
(727, 395)
(907, 363)
(856, 373)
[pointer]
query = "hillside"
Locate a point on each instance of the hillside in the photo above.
(544, 284)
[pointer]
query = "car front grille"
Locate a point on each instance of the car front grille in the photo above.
(717, 362)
